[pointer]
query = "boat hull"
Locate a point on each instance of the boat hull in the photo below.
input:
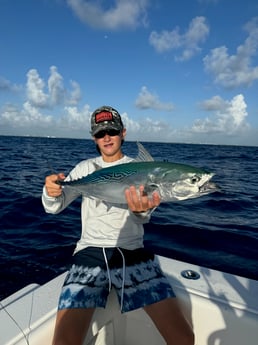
(222, 308)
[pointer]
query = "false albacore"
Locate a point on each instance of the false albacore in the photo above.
(173, 181)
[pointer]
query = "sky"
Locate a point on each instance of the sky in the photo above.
(177, 71)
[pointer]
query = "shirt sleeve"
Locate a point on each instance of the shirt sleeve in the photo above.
(58, 204)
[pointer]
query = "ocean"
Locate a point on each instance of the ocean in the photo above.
(218, 231)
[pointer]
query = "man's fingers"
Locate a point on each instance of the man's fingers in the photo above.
(53, 188)
(139, 201)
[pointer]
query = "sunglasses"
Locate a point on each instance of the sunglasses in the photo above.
(110, 132)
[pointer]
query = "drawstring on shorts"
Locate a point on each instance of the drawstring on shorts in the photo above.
(108, 270)
(123, 282)
(109, 276)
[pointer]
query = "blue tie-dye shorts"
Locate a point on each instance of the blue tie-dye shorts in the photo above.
(134, 274)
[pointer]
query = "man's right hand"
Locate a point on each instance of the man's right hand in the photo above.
(54, 189)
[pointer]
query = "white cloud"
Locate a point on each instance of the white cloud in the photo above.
(228, 117)
(129, 123)
(226, 124)
(235, 70)
(148, 100)
(76, 119)
(55, 86)
(32, 116)
(10, 115)
(188, 43)
(6, 85)
(147, 129)
(123, 14)
(35, 89)
(28, 116)
(147, 126)
(56, 93)
(75, 95)
(216, 103)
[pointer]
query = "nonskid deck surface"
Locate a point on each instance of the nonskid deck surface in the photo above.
(223, 309)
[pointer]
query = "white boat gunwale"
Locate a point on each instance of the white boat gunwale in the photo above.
(217, 304)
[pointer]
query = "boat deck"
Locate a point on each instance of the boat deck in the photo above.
(222, 308)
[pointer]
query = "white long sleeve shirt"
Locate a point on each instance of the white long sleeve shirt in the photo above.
(103, 225)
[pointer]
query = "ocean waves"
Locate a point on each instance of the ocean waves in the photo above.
(219, 230)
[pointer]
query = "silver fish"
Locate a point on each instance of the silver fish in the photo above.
(173, 181)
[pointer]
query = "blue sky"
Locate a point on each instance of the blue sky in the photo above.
(177, 71)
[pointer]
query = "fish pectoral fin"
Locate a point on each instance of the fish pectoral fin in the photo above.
(150, 188)
(96, 166)
(99, 202)
(143, 154)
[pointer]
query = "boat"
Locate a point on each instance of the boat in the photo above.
(222, 307)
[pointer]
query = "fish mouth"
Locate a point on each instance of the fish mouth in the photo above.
(208, 187)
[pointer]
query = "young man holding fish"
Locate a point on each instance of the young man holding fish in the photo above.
(110, 252)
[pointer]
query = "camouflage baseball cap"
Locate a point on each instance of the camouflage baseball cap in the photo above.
(105, 118)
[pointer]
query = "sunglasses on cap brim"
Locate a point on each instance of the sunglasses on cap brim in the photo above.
(110, 132)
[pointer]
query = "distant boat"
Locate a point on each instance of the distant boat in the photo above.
(223, 309)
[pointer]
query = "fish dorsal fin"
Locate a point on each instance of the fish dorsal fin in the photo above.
(143, 154)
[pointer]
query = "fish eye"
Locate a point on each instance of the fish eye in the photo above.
(195, 179)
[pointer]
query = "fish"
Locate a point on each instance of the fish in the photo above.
(173, 181)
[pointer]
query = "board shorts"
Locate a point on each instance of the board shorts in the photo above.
(135, 275)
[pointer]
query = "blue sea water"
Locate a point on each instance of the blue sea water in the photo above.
(218, 231)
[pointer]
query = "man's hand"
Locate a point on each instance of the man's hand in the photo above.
(138, 201)
(54, 189)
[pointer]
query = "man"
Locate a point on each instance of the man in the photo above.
(110, 251)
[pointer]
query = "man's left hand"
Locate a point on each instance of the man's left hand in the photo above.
(139, 201)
